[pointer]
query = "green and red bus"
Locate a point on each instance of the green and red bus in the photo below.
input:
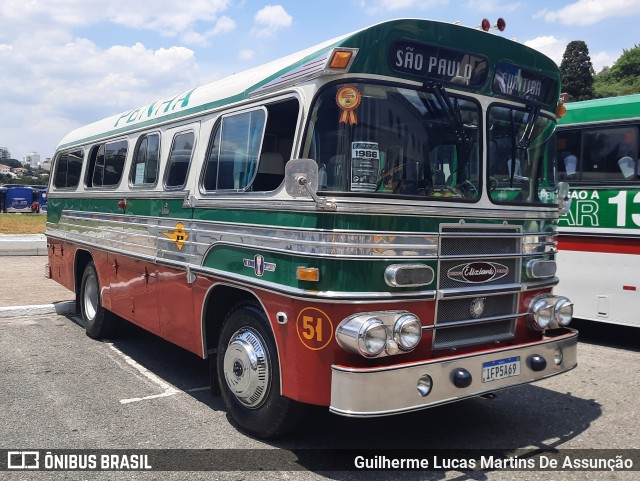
(597, 142)
(367, 225)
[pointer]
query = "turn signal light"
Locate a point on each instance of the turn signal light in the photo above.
(308, 274)
(340, 59)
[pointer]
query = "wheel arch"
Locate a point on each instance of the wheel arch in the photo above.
(82, 259)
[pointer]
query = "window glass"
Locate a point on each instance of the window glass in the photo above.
(144, 170)
(179, 160)
(234, 150)
(372, 139)
(109, 164)
(568, 155)
(68, 169)
(610, 154)
(521, 157)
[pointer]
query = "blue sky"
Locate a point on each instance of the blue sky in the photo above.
(65, 63)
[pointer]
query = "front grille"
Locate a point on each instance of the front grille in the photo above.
(457, 310)
(469, 243)
(472, 334)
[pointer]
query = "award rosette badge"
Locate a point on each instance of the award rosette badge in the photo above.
(348, 98)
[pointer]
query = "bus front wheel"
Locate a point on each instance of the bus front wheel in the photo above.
(98, 322)
(249, 375)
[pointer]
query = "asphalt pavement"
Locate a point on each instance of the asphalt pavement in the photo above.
(24, 289)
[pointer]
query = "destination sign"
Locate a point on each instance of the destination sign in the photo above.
(515, 81)
(437, 63)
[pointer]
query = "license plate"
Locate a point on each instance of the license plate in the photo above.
(500, 368)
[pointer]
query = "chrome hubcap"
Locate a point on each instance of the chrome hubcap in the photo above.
(91, 298)
(246, 367)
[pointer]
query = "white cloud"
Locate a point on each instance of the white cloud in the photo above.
(554, 48)
(270, 19)
(373, 7)
(246, 54)
(588, 12)
(166, 17)
(549, 45)
(222, 26)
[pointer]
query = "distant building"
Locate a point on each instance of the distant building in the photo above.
(19, 171)
(4, 169)
(32, 158)
(4, 153)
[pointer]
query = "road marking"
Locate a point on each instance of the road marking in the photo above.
(169, 389)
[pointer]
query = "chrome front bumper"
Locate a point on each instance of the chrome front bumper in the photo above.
(388, 390)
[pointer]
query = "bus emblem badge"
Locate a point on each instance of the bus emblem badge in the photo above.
(477, 272)
(477, 307)
(259, 265)
(178, 236)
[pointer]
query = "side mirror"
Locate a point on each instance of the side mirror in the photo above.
(564, 202)
(301, 180)
(301, 177)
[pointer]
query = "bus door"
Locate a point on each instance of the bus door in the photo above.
(175, 237)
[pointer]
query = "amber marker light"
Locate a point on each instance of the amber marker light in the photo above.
(340, 59)
(311, 274)
(561, 110)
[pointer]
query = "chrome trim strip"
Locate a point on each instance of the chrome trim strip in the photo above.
(482, 320)
(364, 392)
(474, 291)
(529, 286)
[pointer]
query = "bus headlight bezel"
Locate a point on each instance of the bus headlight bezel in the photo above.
(379, 334)
(548, 311)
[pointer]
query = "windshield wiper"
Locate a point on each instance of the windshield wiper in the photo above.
(523, 142)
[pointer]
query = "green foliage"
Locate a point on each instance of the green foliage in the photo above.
(13, 163)
(576, 71)
(623, 78)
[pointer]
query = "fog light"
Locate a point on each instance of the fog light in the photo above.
(564, 312)
(425, 384)
(407, 332)
(462, 378)
(372, 338)
(557, 356)
(537, 363)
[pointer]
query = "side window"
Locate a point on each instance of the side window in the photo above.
(610, 154)
(568, 154)
(107, 164)
(144, 170)
(233, 152)
(179, 160)
(68, 166)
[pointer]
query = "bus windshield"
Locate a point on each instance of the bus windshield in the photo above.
(521, 160)
(373, 139)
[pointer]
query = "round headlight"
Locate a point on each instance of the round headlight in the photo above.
(542, 314)
(564, 312)
(372, 337)
(407, 332)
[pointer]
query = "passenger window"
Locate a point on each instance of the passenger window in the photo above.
(144, 170)
(179, 160)
(68, 166)
(233, 154)
(610, 154)
(107, 163)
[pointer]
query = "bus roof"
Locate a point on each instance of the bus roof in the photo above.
(602, 110)
(373, 44)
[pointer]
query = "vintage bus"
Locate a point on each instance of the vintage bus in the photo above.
(367, 225)
(599, 241)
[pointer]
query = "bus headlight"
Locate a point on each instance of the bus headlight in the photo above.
(564, 312)
(550, 312)
(379, 334)
(542, 314)
(407, 332)
(372, 337)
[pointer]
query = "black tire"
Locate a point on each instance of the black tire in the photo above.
(251, 391)
(98, 322)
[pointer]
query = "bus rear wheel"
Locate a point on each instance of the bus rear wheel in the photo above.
(249, 375)
(98, 322)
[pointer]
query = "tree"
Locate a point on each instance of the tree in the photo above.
(623, 78)
(576, 71)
